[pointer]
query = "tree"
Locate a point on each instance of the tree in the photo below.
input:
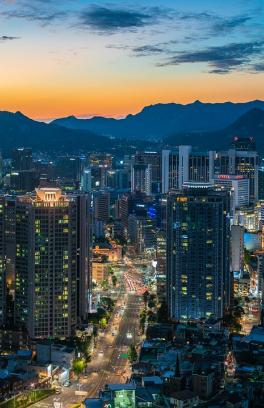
(110, 270)
(162, 313)
(103, 322)
(142, 319)
(84, 346)
(232, 322)
(114, 280)
(109, 303)
(238, 312)
(247, 256)
(78, 366)
(146, 297)
(151, 303)
(132, 353)
(152, 316)
(104, 284)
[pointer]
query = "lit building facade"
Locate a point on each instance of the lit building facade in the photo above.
(237, 248)
(183, 165)
(153, 161)
(52, 262)
(198, 273)
(2, 264)
(141, 178)
(240, 162)
(237, 185)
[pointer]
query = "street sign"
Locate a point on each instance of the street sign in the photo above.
(124, 355)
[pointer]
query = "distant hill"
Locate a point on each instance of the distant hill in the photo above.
(156, 122)
(249, 124)
(18, 130)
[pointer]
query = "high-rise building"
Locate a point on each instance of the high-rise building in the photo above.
(183, 165)
(7, 257)
(1, 169)
(142, 233)
(69, 168)
(100, 164)
(152, 159)
(141, 178)
(161, 264)
(260, 277)
(24, 181)
(242, 159)
(86, 180)
(22, 159)
(2, 264)
(261, 183)
(243, 143)
(169, 170)
(198, 274)
(237, 185)
(118, 179)
(52, 262)
(237, 248)
(101, 202)
(23, 177)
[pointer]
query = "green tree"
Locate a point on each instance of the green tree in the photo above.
(162, 313)
(104, 284)
(78, 366)
(109, 303)
(145, 297)
(84, 347)
(114, 280)
(152, 316)
(238, 312)
(110, 270)
(151, 303)
(132, 353)
(142, 319)
(247, 256)
(103, 322)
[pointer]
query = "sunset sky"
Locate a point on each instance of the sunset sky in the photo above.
(83, 58)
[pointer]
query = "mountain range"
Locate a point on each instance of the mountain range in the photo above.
(247, 125)
(159, 121)
(17, 130)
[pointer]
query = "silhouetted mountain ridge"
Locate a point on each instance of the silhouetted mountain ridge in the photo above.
(16, 129)
(249, 124)
(158, 121)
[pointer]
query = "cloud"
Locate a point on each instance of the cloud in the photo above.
(8, 38)
(146, 50)
(29, 11)
(258, 67)
(222, 59)
(229, 24)
(143, 50)
(110, 20)
(204, 25)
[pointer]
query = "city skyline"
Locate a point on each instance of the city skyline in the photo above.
(99, 58)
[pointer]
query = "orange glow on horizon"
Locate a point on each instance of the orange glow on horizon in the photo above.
(118, 99)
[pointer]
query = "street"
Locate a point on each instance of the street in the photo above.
(109, 360)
